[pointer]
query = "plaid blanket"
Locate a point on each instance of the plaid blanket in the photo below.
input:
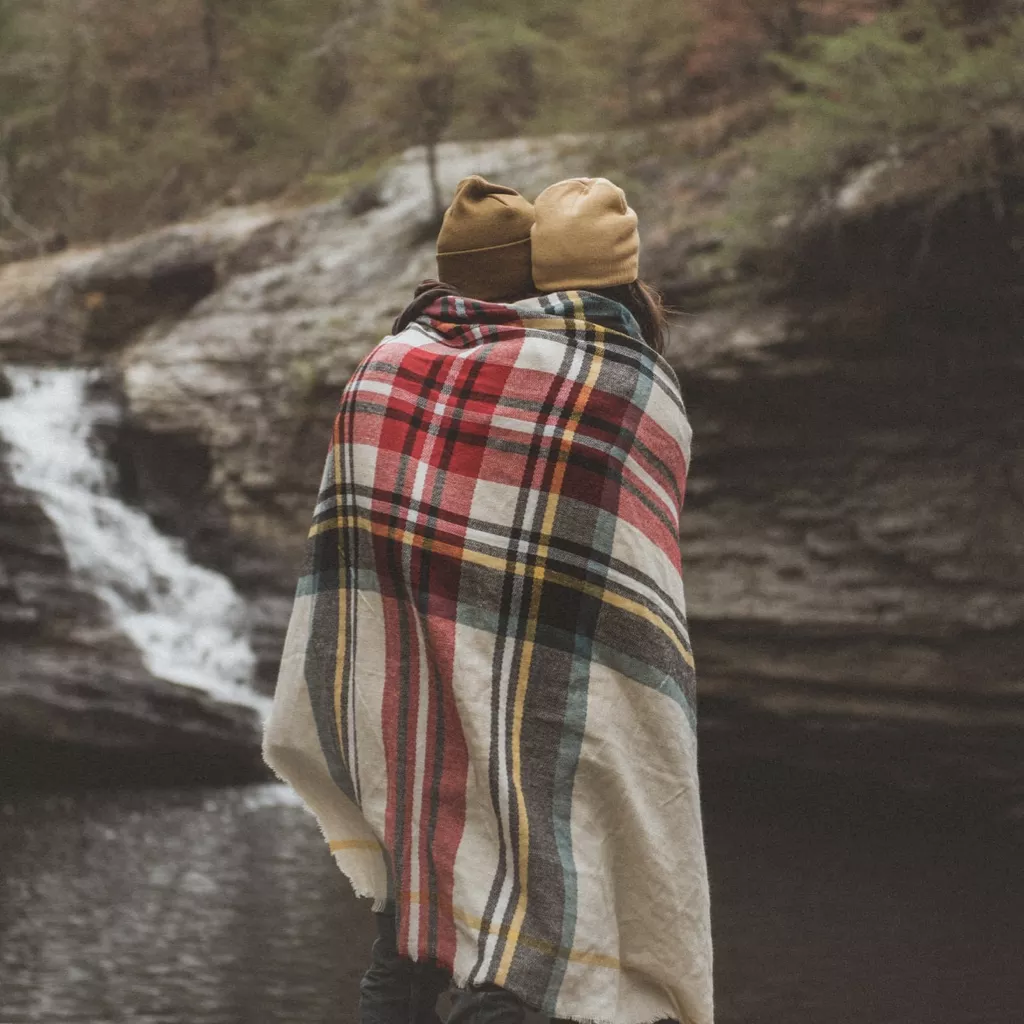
(487, 690)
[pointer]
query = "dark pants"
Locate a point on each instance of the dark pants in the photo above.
(397, 990)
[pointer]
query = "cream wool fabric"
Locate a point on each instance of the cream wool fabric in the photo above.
(585, 236)
(487, 695)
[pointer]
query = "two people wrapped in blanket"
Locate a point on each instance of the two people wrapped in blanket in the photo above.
(487, 691)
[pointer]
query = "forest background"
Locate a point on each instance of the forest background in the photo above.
(120, 115)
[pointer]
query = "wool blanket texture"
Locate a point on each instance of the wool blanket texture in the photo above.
(487, 691)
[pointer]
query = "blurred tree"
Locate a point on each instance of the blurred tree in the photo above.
(118, 114)
(907, 75)
(428, 65)
(338, 56)
(907, 81)
(410, 61)
(638, 52)
(46, 63)
(784, 24)
(518, 69)
(209, 11)
(735, 35)
(498, 80)
(15, 86)
(126, 114)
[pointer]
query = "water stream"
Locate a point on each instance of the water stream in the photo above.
(187, 621)
(830, 905)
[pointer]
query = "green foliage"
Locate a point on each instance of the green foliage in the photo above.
(906, 75)
(909, 79)
(643, 44)
(116, 115)
(481, 70)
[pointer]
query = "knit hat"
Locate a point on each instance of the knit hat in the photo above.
(585, 236)
(483, 248)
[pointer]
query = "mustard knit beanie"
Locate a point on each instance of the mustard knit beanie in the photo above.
(585, 236)
(483, 248)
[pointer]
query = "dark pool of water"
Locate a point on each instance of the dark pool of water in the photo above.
(832, 905)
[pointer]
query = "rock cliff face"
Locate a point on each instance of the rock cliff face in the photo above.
(854, 529)
(224, 345)
(76, 701)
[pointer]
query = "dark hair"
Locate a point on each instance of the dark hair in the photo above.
(646, 305)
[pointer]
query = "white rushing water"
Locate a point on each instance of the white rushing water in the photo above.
(188, 622)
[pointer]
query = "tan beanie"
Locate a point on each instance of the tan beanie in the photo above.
(585, 236)
(483, 248)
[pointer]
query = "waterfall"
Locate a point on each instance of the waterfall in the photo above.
(188, 622)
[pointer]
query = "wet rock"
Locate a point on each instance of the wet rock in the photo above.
(226, 344)
(852, 539)
(75, 695)
(87, 302)
(852, 535)
(254, 371)
(364, 198)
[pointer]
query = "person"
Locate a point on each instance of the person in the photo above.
(487, 690)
